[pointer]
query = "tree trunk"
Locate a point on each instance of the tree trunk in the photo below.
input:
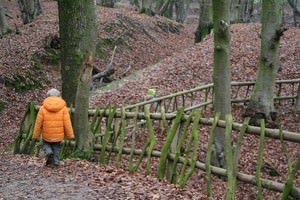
(30, 9)
(234, 11)
(180, 11)
(135, 3)
(107, 3)
(296, 12)
(76, 41)
(158, 5)
(261, 104)
(78, 28)
(147, 7)
(167, 9)
(221, 77)
(205, 20)
(298, 99)
(241, 10)
(4, 28)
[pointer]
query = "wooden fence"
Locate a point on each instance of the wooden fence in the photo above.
(118, 131)
(202, 96)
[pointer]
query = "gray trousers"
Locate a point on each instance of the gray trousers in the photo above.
(52, 148)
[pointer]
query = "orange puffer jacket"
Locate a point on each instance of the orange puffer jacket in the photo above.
(53, 121)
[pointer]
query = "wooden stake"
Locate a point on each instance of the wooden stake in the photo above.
(177, 153)
(133, 135)
(195, 134)
(107, 134)
(166, 147)
(123, 132)
(259, 161)
(208, 156)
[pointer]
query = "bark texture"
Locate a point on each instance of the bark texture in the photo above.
(241, 10)
(180, 11)
(298, 99)
(30, 9)
(261, 104)
(107, 3)
(205, 24)
(221, 76)
(78, 26)
(4, 28)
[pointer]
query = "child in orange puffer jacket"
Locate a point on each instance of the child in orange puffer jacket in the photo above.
(54, 123)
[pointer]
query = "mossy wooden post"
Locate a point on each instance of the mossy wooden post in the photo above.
(107, 134)
(178, 149)
(166, 147)
(25, 147)
(260, 160)
(172, 150)
(149, 144)
(123, 132)
(208, 156)
(133, 136)
(163, 122)
(229, 159)
(151, 137)
(194, 138)
(238, 150)
(288, 186)
(24, 128)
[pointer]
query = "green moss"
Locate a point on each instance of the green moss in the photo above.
(36, 62)
(23, 83)
(90, 155)
(78, 57)
(50, 56)
(2, 105)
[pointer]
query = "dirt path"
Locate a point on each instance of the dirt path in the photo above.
(26, 177)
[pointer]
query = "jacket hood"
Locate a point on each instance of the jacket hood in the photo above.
(54, 104)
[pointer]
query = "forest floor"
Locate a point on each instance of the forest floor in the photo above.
(156, 57)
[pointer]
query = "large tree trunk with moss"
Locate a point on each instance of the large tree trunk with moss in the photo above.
(221, 76)
(78, 28)
(261, 103)
(30, 9)
(4, 28)
(76, 41)
(205, 24)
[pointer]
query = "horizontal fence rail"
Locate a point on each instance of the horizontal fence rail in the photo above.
(202, 96)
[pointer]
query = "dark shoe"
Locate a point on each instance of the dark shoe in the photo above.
(49, 160)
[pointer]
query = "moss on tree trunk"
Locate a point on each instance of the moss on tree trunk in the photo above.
(78, 30)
